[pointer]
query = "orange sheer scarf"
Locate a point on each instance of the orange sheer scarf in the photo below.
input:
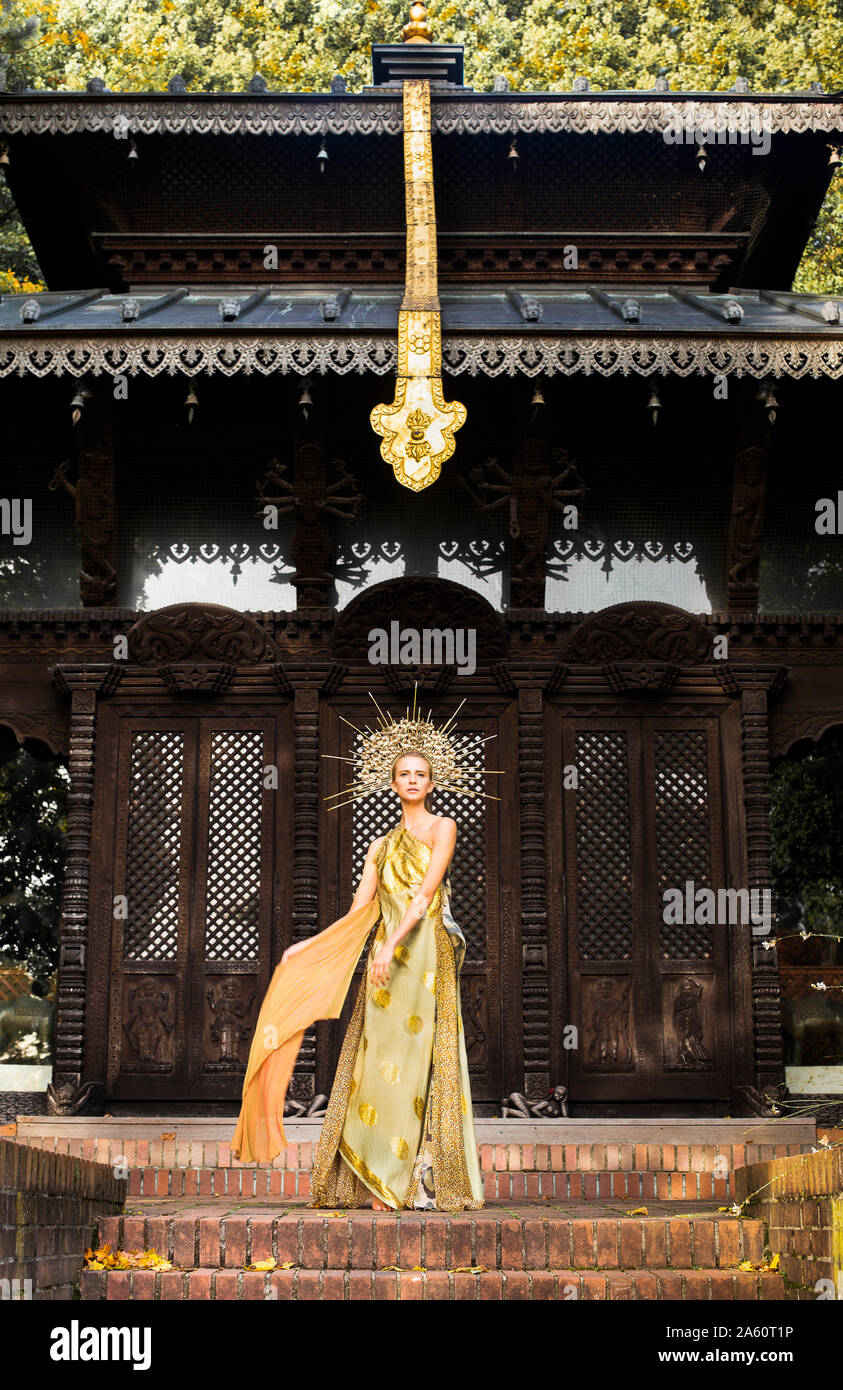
(311, 985)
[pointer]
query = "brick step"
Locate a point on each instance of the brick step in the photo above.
(554, 1285)
(498, 1158)
(363, 1241)
(498, 1186)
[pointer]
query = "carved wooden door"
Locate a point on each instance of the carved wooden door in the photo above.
(650, 1000)
(484, 877)
(188, 850)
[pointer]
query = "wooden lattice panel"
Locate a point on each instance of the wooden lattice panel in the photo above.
(683, 841)
(234, 846)
(376, 814)
(154, 845)
(604, 878)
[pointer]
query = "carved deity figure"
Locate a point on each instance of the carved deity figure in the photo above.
(533, 493)
(229, 1011)
(148, 1021)
(687, 1023)
(609, 1022)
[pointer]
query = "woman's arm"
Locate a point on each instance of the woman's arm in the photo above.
(366, 891)
(368, 885)
(444, 840)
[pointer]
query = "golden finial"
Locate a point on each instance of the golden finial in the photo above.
(418, 30)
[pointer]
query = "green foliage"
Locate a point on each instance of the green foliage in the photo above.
(806, 813)
(33, 837)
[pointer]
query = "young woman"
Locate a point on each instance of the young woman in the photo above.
(399, 1129)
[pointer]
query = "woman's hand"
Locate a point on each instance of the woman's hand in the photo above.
(291, 950)
(379, 969)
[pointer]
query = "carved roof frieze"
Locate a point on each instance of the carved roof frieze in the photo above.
(50, 114)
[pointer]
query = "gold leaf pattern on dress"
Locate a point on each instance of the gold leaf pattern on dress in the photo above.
(358, 1165)
(390, 1073)
(463, 1104)
(353, 1087)
(335, 1183)
(400, 1147)
(414, 1024)
(402, 955)
(418, 1106)
(382, 998)
(430, 981)
(450, 1170)
(367, 1113)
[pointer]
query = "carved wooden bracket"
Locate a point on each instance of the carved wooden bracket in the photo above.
(435, 679)
(191, 678)
(736, 679)
(658, 676)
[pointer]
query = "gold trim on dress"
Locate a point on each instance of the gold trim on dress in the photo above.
(365, 1174)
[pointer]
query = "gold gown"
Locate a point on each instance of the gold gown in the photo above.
(399, 1123)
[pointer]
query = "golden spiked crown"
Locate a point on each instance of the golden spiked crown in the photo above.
(377, 749)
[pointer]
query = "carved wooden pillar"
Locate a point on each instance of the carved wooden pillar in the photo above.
(756, 687)
(93, 497)
(67, 1095)
(749, 477)
(533, 892)
(305, 853)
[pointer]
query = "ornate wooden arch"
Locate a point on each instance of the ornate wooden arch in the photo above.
(418, 602)
(640, 631)
(199, 632)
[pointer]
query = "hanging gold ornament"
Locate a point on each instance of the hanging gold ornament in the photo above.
(417, 429)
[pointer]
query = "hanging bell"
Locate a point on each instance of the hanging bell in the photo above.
(305, 399)
(5, 160)
(77, 405)
(191, 401)
(767, 396)
(654, 405)
(538, 398)
(322, 157)
(513, 155)
(133, 151)
(834, 158)
(702, 156)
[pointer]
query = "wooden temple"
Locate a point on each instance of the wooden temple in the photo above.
(623, 536)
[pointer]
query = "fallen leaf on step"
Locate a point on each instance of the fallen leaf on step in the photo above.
(637, 1211)
(288, 1264)
(169, 1136)
(774, 1263)
(264, 1265)
(468, 1269)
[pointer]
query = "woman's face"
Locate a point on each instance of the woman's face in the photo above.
(412, 780)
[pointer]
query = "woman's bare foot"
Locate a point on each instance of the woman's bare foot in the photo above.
(379, 1206)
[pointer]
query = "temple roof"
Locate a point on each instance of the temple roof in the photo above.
(599, 329)
(377, 110)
